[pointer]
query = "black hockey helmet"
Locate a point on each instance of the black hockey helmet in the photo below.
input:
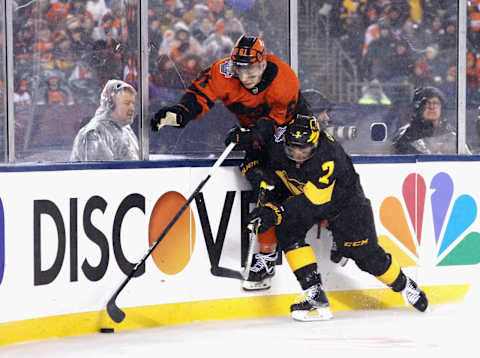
(248, 51)
(302, 132)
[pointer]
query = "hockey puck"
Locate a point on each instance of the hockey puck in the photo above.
(107, 330)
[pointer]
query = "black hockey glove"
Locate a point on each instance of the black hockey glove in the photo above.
(252, 170)
(175, 116)
(264, 217)
(244, 138)
(256, 175)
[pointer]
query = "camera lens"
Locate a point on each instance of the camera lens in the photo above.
(343, 132)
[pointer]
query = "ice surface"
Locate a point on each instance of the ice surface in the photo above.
(443, 331)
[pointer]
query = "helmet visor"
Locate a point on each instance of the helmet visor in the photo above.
(251, 70)
(299, 154)
(249, 75)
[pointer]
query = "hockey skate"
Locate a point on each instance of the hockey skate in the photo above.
(313, 305)
(413, 295)
(261, 272)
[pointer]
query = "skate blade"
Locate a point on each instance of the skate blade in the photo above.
(408, 304)
(319, 314)
(257, 285)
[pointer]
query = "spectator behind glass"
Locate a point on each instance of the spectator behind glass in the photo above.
(217, 45)
(437, 64)
(413, 35)
(372, 31)
(396, 16)
(22, 93)
(449, 39)
(378, 52)
(181, 44)
(97, 8)
(473, 77)
(64, 57)
(165, 75)
(108, 29)
(216, 6)
(105, 62)
(57, 12)
(473, 32)
(54, 91)
(155, 32)
(433, 30)
(38, 12)
(129, 36)
(449, 87)
(200, 12)
(130, 70)
(353, 35)
(203, 30)
(108, 135)
(78, 8)
(79, 17)
(428, 132)
(190, 68)
(43, 48)
(23, 47)
(233, 26)
(399, 65)
(373, 94)
(420, 76)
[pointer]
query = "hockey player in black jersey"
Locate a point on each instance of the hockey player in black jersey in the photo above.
(315, 180)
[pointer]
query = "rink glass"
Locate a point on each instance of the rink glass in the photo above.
(61, 63)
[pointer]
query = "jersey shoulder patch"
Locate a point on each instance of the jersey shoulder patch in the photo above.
(278, 135)
(226, 68)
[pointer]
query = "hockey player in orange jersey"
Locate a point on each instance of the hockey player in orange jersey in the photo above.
(252, 84)
(262, 91)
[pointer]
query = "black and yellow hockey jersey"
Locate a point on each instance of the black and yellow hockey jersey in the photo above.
(321, 186)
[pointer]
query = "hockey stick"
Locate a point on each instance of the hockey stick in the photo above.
(261, 198)
(226, 272)
(115, 313)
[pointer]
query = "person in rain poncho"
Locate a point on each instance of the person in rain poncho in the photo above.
(108, 135)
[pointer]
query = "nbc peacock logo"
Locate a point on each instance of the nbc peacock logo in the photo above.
(452, 216)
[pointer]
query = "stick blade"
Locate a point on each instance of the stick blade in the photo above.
(226, 272)
(115, 313)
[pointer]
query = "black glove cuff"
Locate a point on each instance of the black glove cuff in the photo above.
(184, 115)
(278, 210)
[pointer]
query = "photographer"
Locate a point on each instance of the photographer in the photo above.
(428, 132)
(320, 107)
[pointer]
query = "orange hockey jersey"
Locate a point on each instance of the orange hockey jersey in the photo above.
(275, 97)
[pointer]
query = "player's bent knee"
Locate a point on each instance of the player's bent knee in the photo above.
(376, 263)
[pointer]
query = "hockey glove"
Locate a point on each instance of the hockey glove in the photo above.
(264, 217)
(256, 174)
(176, 116)
(244, 138)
